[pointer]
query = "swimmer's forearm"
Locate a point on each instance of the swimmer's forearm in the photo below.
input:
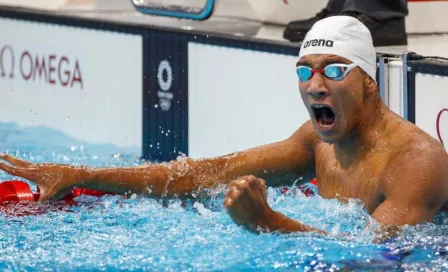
(123, 180)
(167, 179)
(281, 223)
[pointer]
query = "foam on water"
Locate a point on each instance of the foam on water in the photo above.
(137, 233)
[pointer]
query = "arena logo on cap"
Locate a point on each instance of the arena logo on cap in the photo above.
(318, 42)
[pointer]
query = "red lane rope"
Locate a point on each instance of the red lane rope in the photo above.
(438, 124)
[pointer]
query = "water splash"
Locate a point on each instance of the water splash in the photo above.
(138, 233)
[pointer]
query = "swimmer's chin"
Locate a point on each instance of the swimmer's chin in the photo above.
(328, 139)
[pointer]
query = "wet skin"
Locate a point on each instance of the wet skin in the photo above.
(368, 152)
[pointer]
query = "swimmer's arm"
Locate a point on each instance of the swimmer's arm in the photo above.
(279, 163)
(282, 161)
(281, 223)
(413, 196)
(246, 203)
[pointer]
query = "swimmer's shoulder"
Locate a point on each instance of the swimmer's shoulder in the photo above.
(422, 165)
(405, 137)
(416, 149)
(416, 166)
(418, 141)
(408, 146)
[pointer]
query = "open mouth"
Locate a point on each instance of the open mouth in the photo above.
(325, 116)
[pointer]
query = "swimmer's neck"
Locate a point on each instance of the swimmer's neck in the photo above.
(366, 135)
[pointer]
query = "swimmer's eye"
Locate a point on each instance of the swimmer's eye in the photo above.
(333, 71)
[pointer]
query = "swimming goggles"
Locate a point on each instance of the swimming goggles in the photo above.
(333, 71)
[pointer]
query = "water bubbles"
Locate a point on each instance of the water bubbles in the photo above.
(277, 265)
(156, 106)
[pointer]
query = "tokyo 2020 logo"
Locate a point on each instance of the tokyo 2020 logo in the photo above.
(165, 82)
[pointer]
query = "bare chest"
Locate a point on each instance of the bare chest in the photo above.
(358, 180)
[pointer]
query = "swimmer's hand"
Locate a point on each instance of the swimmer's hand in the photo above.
(54, 180)
(246, 203)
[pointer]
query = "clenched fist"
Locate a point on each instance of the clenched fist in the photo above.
(246, 203)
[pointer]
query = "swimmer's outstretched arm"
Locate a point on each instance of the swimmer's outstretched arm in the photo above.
(279, 163)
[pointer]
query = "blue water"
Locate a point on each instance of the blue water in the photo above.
(112, 233)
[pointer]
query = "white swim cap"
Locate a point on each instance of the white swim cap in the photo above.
(343, 36)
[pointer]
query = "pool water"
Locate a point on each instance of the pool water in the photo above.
(112, 233)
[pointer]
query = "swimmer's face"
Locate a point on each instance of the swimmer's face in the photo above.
(334, 106)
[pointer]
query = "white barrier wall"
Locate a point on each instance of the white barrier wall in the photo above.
(240, 99)
(395, 87)
(84, 83)
(431, 99)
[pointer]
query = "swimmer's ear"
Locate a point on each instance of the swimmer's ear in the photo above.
(369, 84)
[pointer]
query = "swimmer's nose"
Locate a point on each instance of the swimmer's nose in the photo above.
(318, 94)
(317, 87)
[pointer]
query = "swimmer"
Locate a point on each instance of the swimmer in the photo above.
(354, 145)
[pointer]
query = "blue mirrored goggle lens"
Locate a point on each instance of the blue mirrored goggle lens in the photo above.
(333, 72)
(304, 73)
